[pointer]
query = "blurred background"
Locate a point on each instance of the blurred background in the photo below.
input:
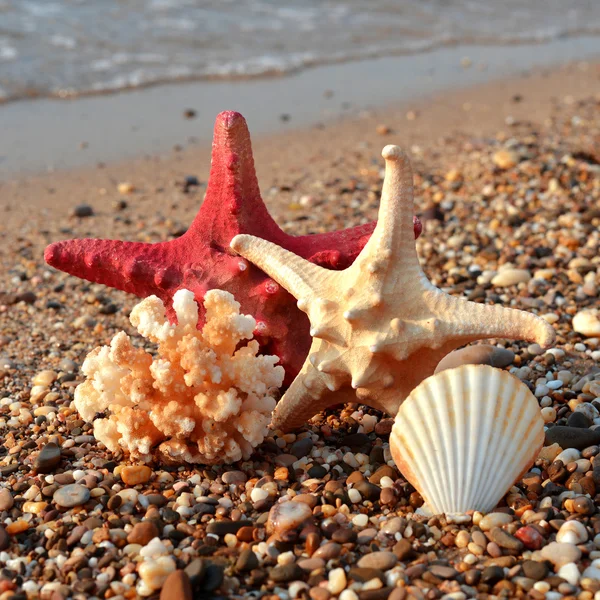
(298, 61)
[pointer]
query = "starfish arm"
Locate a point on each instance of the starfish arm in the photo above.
(393, 238)
(473, 321)
(298, 276)
(307, 396)
(127, 266)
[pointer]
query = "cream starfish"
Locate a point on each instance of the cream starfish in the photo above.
(380, 326)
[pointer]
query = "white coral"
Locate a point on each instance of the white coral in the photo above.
(199, 401)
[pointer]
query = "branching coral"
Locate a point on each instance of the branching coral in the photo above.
(204, 399)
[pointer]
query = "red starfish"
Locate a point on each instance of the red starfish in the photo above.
(201, 260)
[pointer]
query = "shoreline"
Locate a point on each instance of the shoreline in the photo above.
(60, 134)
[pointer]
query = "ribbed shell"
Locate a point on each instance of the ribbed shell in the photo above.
(465, 435)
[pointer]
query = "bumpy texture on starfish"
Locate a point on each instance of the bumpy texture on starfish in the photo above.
(379, 327)
(201, 259)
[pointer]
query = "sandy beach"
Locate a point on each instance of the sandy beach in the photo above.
(506, 177)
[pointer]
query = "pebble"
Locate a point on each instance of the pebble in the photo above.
(48, 458)
(337, 581)
(17, 527)
(505, 540)
(285, 573)
(83, 210)
(257, 494)
(505, 159)
(6, 499)
(481, 354)
(496, 519)
(367, 490)
(560, 553)
(587, 322)
(302, 448)
(72, 495)
(328, 551)
(572, 532)
(378, 560)
(142, 533)
(232, 477)
(177, 586)
(570, 573)
(136, 474)
(508, 277)
(247, 560)
(535, 570)
(572, 437)
(286, 516)
(154, 572)
(531, 538)
(4, 539)
(443, 572)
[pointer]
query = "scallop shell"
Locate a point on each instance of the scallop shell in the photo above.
(465, 435)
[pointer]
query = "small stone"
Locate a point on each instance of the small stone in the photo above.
(195, 571)
(362, 575)
(301, 448)
(508, 277)
(572, 532)
(6, 500)
(337, 581)
(587, 322)
(492, 575)
(48, 458)
(505, 159)
(224, 527)
(258, 494)
(578, 419)
(233, 477)
(328, 551)
(44, 378)
(561, 553)
(572, 437)
(309, 499)
(286, 516)
(285, 573)
(136, 474)
(569, 573)
(496, 519)
(505, 540)
(531, 538)
(125, 187)
(384, 427)
(142, 533)
(154, 572)
(378, 560)
(481, 354)
(177, 586)
(317, 472)
(311, 564)
(443, 572)
(17, 527)
(213, 577)
(388, 497)
(535, 570)
(4, 539)
(247, 560)
(383, 471)
(72, 495)
(367, 490)
(403, 549)
(83, 210)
